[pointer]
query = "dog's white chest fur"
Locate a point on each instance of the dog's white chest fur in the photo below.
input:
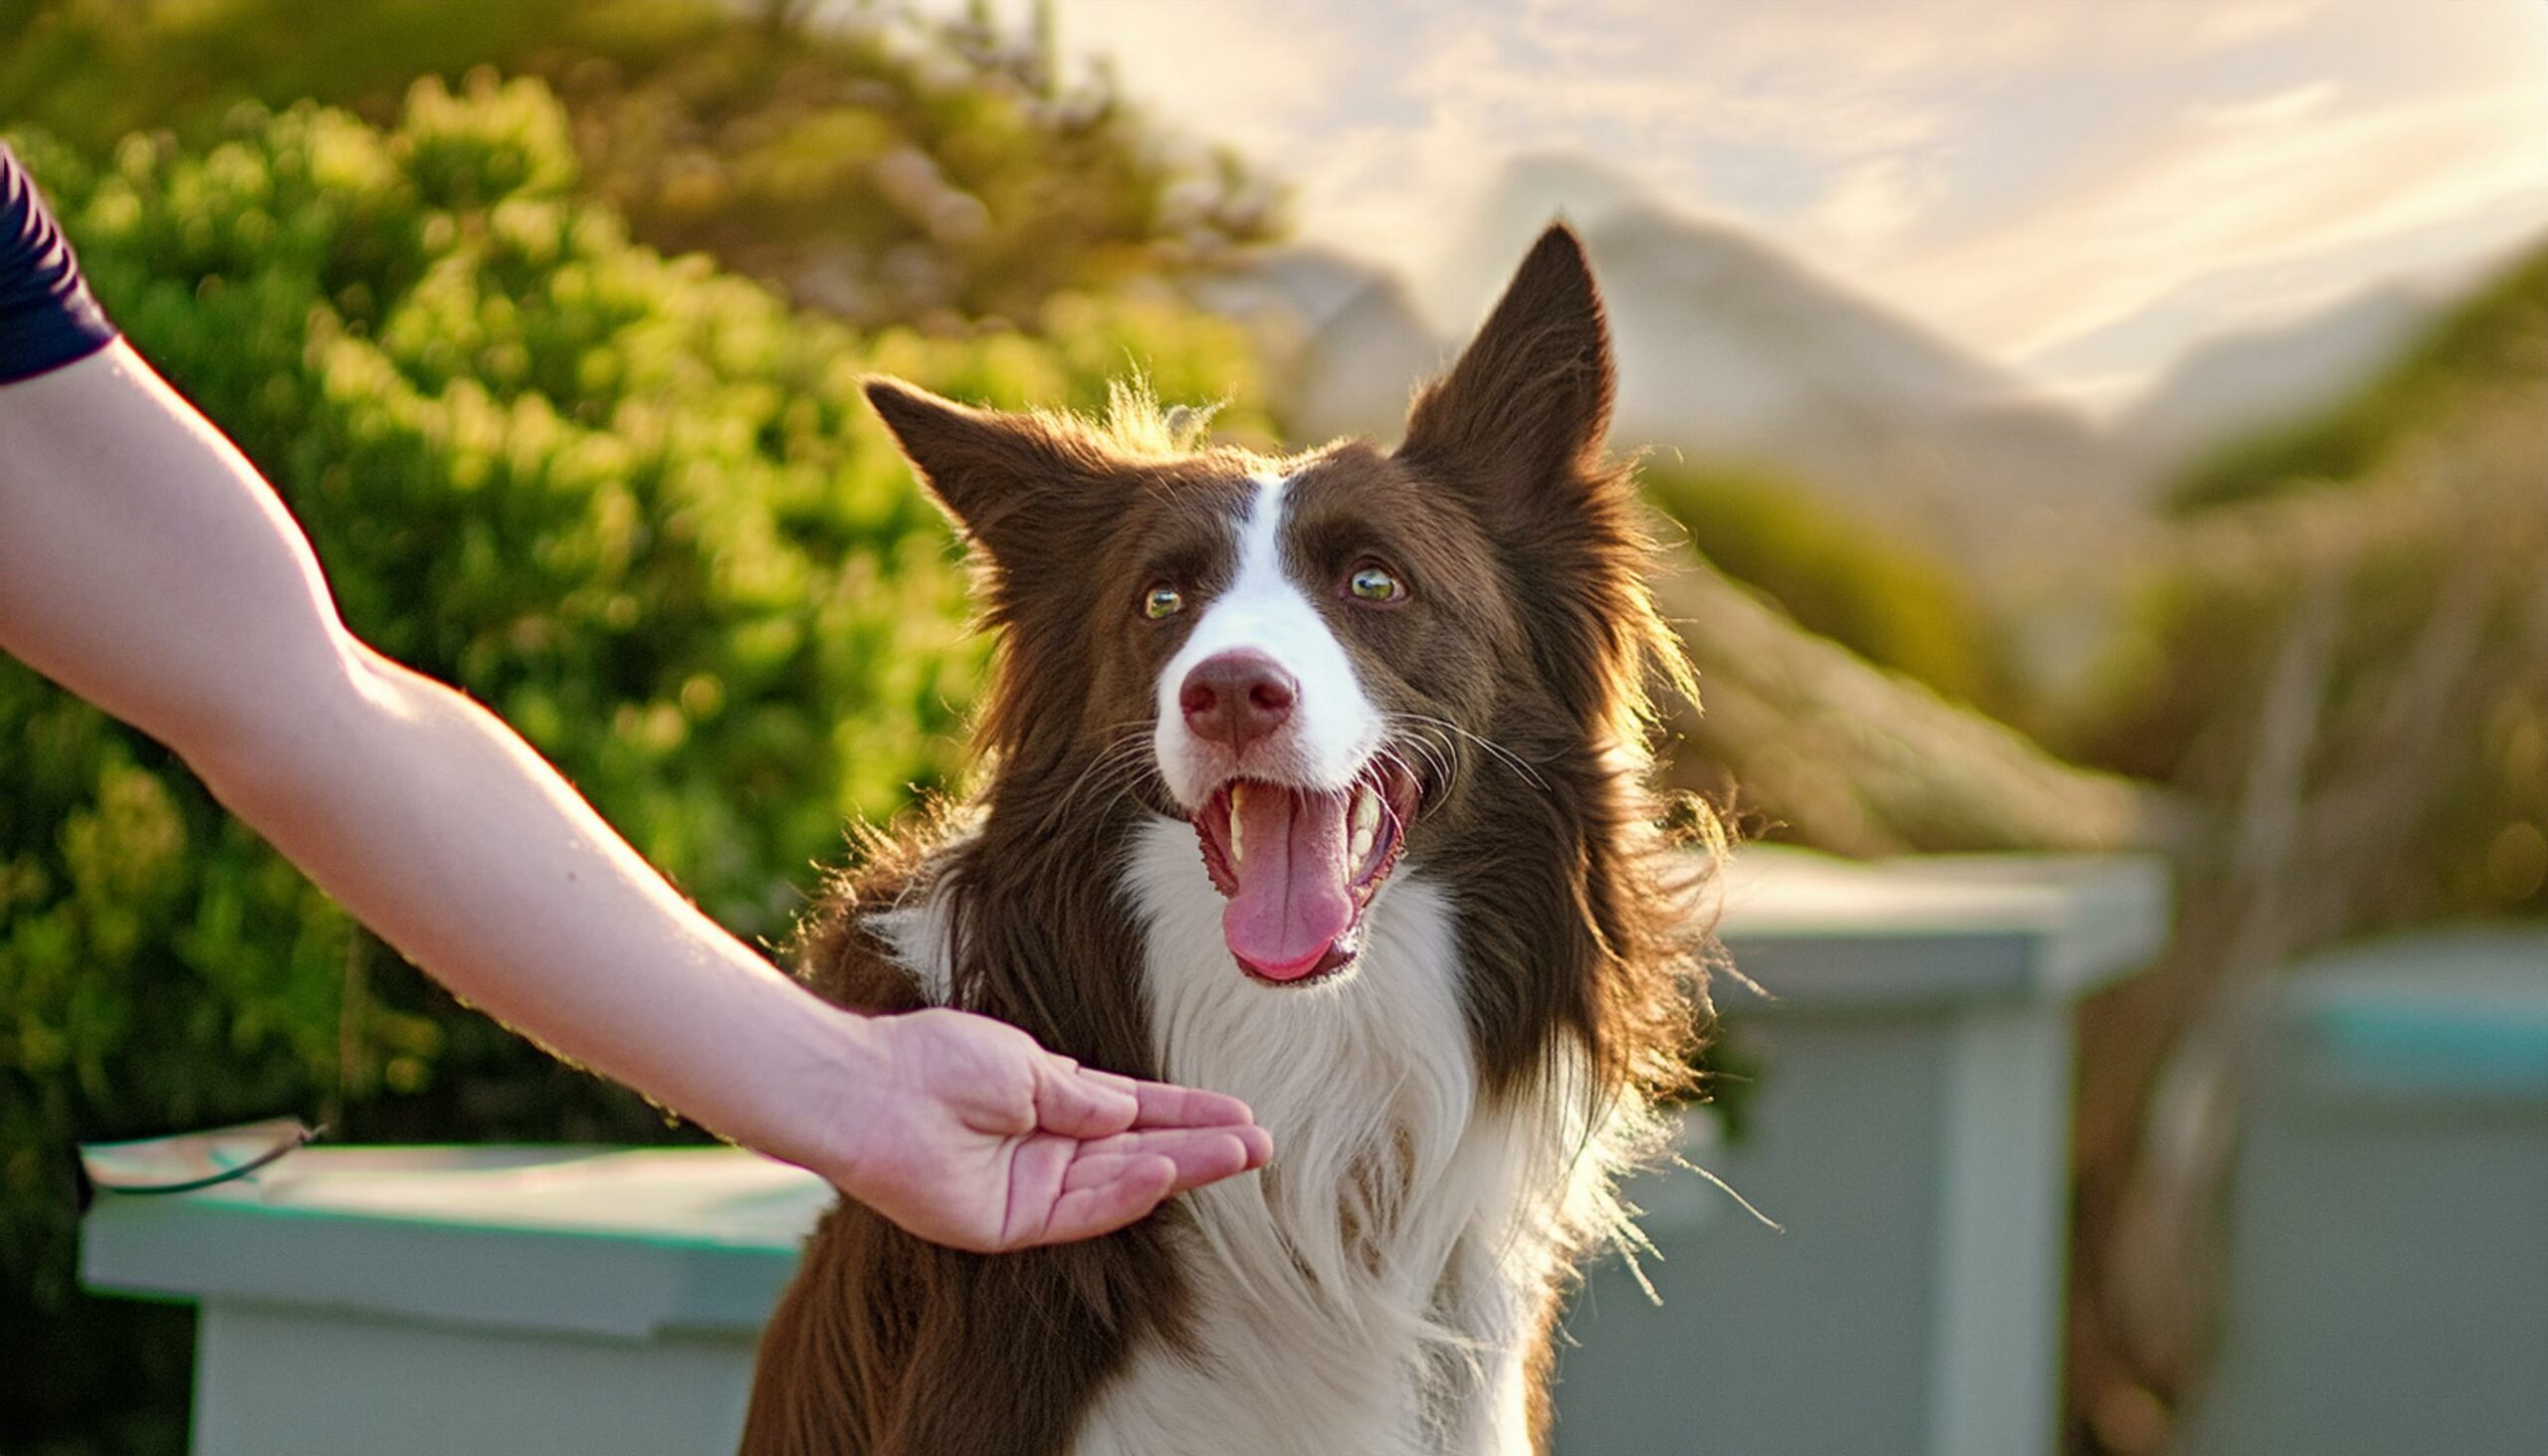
(1377, 1291)
(1367, 1293)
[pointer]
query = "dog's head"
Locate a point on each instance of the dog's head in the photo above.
(1326, 662)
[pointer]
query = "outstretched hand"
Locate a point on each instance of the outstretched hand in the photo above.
(145, 565)
(975, 1136)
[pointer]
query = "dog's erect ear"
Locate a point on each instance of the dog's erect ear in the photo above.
(1529, 399)
(987, 468)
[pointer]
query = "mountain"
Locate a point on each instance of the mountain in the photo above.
(2228, 386)
(1731, 350)
(1721, 337)
(1344, 338)
(2465, 356)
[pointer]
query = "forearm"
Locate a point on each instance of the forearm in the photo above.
(145, 565)
(429, 820)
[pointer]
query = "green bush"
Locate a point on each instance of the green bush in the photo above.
(1884, 599)
(635, 505)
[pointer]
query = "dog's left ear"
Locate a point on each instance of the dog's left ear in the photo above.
(1527, 408)
(990, 469)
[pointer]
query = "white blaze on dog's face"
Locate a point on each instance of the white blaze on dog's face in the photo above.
(1268, 741)
(1262, 636)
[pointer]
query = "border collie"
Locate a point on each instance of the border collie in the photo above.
(1321, 780)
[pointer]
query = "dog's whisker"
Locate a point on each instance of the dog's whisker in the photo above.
(1103, 782)
(1119, 759)
(1398, 825)
(1105, 760)
(1430, 746)
(1507, 755)
(1437, 751)
(1415, 737)
(1442, 768)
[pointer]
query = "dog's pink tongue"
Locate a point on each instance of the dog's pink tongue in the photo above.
(1291, 902)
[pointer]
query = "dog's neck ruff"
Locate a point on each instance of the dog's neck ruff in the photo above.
(1375, 1290)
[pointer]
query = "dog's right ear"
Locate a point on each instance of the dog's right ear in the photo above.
(987, 468)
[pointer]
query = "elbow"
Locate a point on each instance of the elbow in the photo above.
(265, 741)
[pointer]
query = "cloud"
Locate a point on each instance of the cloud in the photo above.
(2221, 26)
(2019, 176)
(1234, 74)
(2207, 203)
(2276, 109)
(1871, 202)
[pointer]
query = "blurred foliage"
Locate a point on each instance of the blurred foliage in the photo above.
(882, 165)
(2429, 730)
(1885, 599)
(635, 505)
(2342, 654)
(2498, 334)
(2430, 507)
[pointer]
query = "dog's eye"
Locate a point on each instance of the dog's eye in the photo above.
(1376, 584)
(1162, 601)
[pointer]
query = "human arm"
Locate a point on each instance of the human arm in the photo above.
(146, 566)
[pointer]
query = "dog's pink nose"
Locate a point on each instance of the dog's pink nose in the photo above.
(1235, 697)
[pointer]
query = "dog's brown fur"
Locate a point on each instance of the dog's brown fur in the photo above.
(1578, 922)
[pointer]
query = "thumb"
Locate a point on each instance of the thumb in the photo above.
(1075, 1103)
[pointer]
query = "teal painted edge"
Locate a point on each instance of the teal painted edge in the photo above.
(788, 1248)
(2435, 1048)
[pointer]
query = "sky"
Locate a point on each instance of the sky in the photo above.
(2080, 191)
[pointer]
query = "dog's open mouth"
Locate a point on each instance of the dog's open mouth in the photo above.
(1299, 866)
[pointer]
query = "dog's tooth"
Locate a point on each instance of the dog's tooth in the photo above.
(1361, 849)
(1238, 830)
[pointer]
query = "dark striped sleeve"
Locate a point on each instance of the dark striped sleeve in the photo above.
(47, 318)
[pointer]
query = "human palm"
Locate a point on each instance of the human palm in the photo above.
(977, 1138)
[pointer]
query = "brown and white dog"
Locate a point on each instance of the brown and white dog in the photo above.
(1321, 781)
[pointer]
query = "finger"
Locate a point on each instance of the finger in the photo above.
(1211, 1159)
(1164, 1104)
(1167, 1105)
(1074, 1102)
(1258, 1143)
(1133, 1187)
(1201, 1156)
